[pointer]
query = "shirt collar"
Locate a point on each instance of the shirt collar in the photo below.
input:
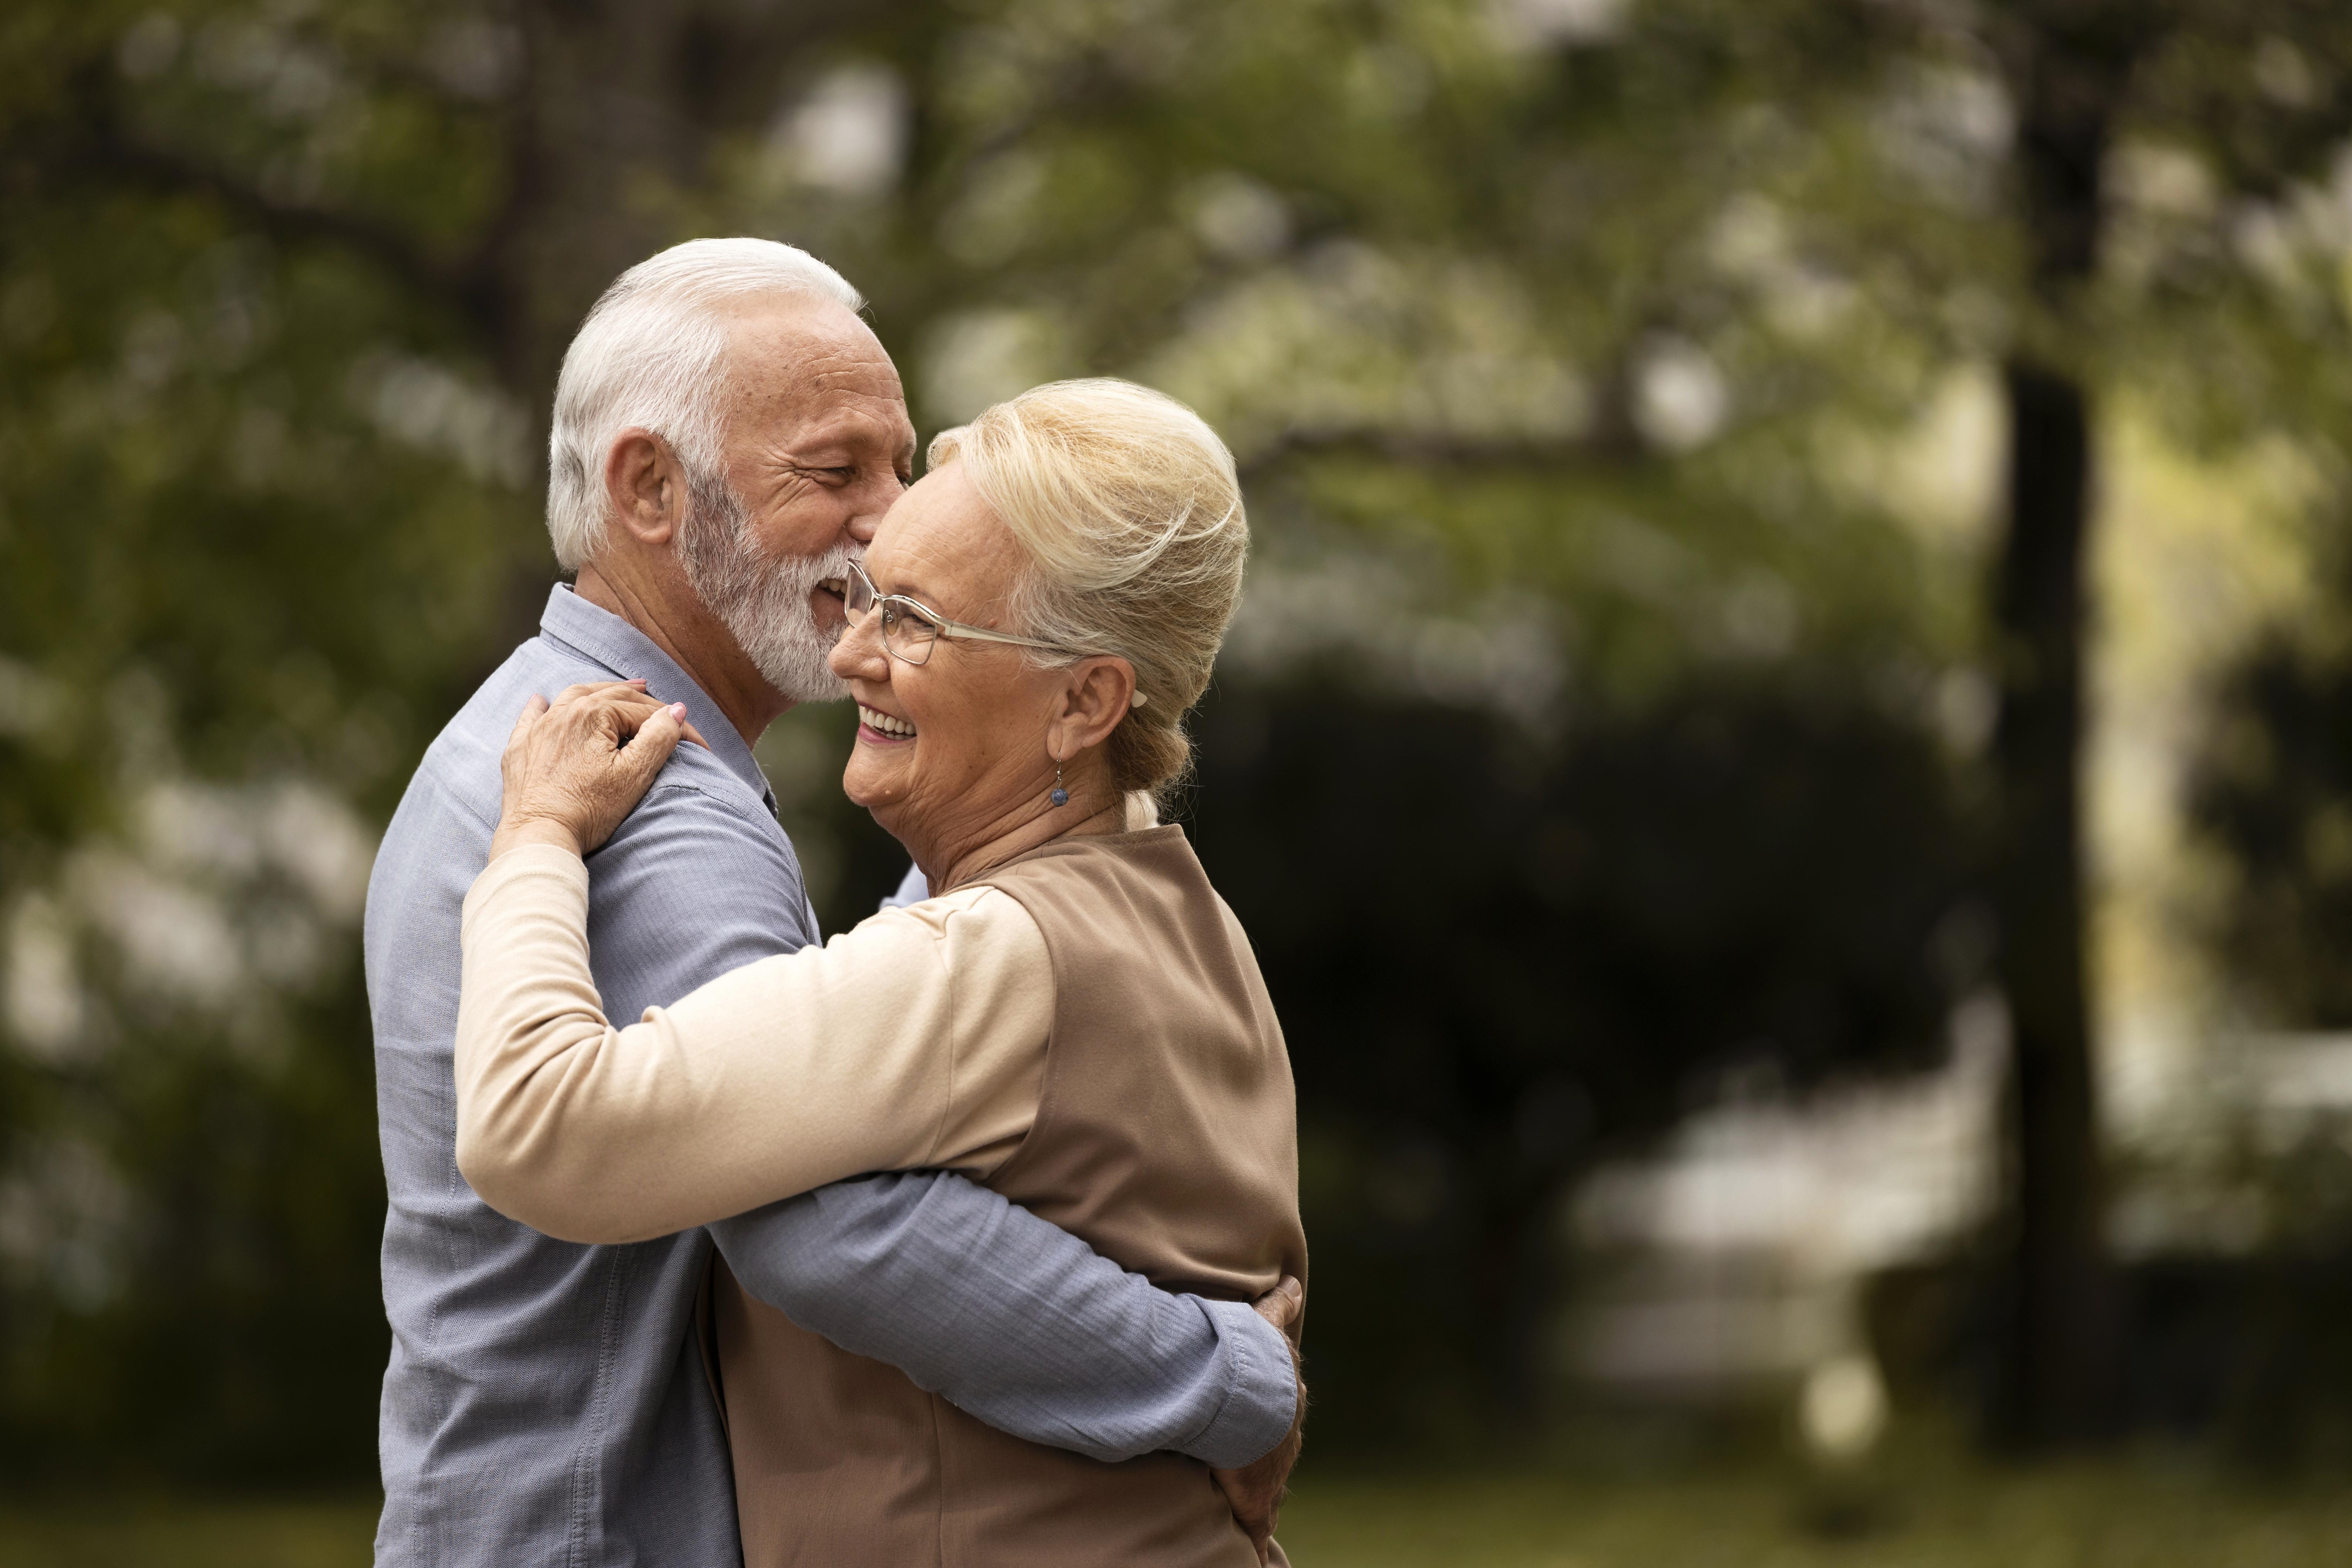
(605, 639)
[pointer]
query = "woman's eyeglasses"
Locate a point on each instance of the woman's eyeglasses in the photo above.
(911, 629)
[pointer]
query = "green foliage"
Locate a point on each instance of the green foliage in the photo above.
(1545, 345)
(258, 520)
(2272, 793)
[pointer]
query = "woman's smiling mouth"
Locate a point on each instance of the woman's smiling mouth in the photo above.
(884, 726)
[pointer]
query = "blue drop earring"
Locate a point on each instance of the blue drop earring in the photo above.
(1060, 795)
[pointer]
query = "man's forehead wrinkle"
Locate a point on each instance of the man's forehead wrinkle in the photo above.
(757, 328)
(823, 370)
(785, 386)
(782, 356)
(835, 357)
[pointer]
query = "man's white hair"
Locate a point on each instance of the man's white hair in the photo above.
(651, 353)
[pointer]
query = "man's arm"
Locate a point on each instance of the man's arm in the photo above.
(1007, 1315)
(1016, 1320)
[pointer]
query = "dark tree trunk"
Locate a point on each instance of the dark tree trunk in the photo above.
(2055, 1372)
(611, 131)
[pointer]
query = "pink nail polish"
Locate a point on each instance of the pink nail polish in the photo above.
(677, 712)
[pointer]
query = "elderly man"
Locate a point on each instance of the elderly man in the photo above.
(726, 435)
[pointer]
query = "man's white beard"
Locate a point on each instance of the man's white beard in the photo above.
(764, 603)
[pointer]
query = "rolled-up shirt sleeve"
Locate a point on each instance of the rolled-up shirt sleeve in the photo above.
(918, 1039)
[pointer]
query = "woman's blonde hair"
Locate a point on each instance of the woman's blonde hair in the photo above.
(1130, 512)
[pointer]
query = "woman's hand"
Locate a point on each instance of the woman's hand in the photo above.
(574, 768)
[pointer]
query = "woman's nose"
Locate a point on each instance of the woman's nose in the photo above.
(859, 653)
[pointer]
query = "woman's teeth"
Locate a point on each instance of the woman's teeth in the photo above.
(882, 722)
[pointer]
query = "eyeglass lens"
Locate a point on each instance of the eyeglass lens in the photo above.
(909, 635)
(905, 634)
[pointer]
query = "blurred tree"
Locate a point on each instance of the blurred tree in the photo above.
(1983, 232)
(249, 535)
(498, 163)
(284, 288)
(1556, 336)
(2273, 791)
(2068, 66)
(1501, 958)
(2085, 76)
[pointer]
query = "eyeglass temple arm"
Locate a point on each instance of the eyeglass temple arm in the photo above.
(981, 634)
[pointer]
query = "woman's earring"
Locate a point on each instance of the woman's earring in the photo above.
(1060, 795)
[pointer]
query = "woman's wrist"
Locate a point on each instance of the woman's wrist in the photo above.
(515, 832)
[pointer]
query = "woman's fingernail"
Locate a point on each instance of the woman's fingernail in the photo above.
(677, 712)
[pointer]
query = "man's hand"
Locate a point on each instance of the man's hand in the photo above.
(1256, 1491)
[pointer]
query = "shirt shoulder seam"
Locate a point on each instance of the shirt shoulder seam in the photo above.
(716, 797)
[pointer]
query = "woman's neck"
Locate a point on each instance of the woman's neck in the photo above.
(973, 861)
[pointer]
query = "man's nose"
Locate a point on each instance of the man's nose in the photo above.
(875, 498)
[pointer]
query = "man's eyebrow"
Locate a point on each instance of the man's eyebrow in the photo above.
(830, 453)
(849, 441)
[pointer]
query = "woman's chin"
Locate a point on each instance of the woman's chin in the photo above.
(872, 784)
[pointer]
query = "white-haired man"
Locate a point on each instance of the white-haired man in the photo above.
(726, 434)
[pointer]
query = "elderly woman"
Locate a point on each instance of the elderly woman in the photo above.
(1073, 1018)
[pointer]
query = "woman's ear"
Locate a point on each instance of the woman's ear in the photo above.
(1097, 696)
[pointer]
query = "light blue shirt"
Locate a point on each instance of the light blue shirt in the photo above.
(547, 1403)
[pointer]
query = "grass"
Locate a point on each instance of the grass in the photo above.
(102, 1533)
(2144, 1513)
(2107, 1517)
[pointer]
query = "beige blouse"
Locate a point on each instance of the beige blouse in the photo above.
(916, 1040)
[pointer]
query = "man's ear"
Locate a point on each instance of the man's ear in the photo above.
(645, 486)
(1098, 697)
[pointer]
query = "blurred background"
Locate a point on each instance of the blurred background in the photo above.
(1787, 753)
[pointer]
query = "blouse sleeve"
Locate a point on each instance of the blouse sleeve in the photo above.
(917, 1039)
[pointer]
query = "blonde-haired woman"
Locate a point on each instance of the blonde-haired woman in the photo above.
(1073, 1017)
